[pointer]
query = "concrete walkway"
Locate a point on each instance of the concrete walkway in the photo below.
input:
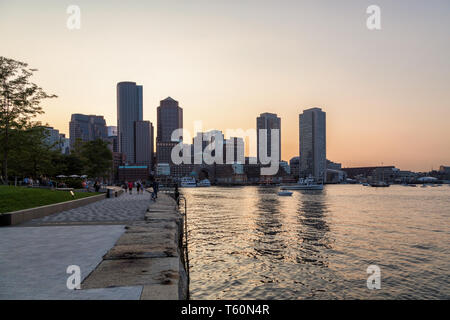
(125, 208)
(33, 261)
(124, 252)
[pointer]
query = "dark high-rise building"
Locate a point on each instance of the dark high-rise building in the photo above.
(237, 147)
(113, 143)
(269, 121)
(169, 118)
(87, 128)
(144, 143)
(129, 110)
(97, 128)
(313, 155)
(205, 139)
(294, 163)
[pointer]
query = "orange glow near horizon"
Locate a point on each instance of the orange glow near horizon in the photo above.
(385, 92)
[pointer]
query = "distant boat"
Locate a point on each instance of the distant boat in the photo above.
(204, 183)
(304, 184)
(188, 182)
(380, 184)
(285, 193)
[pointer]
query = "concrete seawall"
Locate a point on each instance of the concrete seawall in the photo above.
(148, 254)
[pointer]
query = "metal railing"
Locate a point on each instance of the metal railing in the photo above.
(185, 242)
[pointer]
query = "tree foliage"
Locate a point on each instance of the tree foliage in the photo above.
(20, 101)
(97, 158)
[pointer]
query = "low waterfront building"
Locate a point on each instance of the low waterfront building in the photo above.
(163, 169)
(285, 167)
(369, 172)
(118, 160)
(252, 170)
(133, 173)
(294, 163)
(405, 176)
(333, 165)
(335, 176)
(181, 170)
(230, 174)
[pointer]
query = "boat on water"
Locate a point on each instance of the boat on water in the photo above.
(380, 184)
(188, 182)
(304, 184)
(285, 193)
(204, 183)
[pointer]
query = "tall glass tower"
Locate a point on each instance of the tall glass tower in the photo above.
(129, 110)
(313, 151)
(169, 118)
(269, 121)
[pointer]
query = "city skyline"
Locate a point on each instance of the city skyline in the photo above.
(387, 86)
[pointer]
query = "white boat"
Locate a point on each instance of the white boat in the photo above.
(285, 193)
(188, 182)
(204, 183)
(304, 184)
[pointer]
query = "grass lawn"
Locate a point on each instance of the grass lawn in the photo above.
(18, 198)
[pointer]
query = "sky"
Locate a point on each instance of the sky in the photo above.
(386, 92)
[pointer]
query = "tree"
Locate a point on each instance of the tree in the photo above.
(31, 156)
(97, 158)
(19, 102)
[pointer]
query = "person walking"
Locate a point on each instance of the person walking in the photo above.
(97, 186)
(155, 188)
(138, 187)
(125, 186)
(177, 195)
(130, 187)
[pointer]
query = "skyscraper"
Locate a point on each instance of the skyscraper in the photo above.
(269, 121)
(237, 147)
(112, 131)
(87, 128)
(208, 139)
(169, 118)
(312, 129)
(129, 110)
(144, 143)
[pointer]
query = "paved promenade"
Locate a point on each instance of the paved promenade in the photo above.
(34, 261)
(125, 208)
(123, 251)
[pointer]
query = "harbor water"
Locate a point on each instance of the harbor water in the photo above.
(249, 243)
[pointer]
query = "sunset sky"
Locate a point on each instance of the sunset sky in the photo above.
(386, 92)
